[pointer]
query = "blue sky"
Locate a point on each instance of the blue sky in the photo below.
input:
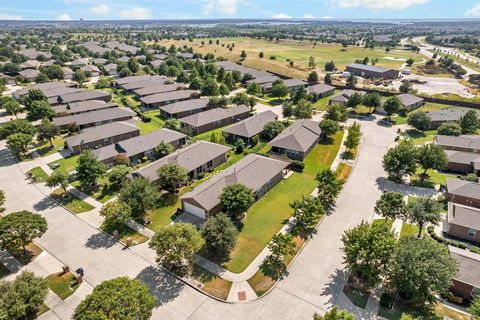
(202, 9)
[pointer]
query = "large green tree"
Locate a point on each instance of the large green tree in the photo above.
(335, 314)
(329, 186)
(89, 169)
(141, 195)
(401, 159)
(470, 122)
(337, 112)
(272, 129)
(329, 127)
(367, 251)
(118, 175)
(176, 245)
(19, 142)
(117, 299)
(419, 120)
(39, 109)
(392, 105)
(307, 211)
(450, 128)
(420, 269)
(220, 234)
(171, 176)
(236, 199)
(16, 126)
(431, 156)
(303, 109)
(47, 130)
(474, 308)
(279, 89)
(59, 178)
(390, 205)
(18, 229)
(116, 211)
(423, 211)
(372, 101)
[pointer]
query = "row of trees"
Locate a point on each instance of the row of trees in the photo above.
(469, 123)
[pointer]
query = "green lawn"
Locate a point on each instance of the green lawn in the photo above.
(212, 284)
(72, 203)
(206, 135)
(434, 178)
(437, 312)
(63, 284)
(68, 164)
(45, 149)
(410, 230)
(322, 103)
(124, 232)
(39, 174)
(389, 222)
(271, 101)
(155, 124)
(267, 216)
(428, 106)
(419, 137)
(104, 192)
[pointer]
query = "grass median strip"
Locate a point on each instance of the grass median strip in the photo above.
(212, 284)
(71, 202)
(63, 284)
(39, 174)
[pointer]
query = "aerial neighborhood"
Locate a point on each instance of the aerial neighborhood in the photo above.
(239, 169)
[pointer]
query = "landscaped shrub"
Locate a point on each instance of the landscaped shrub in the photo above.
(462, 245)
(386, 301)
(475, 249)
(146, 118)
(297, 166)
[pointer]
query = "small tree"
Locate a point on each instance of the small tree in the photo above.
(312, 77)
(367, 251)
(272, 129)
(329, 127)
(303, 110)
(354, 100)
(236, 199)
(330, 66)
(419, 120)
(18, 229)
(328, 78)
(12, 107)
(337, 112)
(307, 212)
(351, 81)
(59, 178)
(220, 234)
(171, 176)
(116, 211)
(353, 138)
(47, 130)
(261, 55)
(450, 128)
(372, 101)
(19, 142)
(405, 87)
(431, 156)
(140, 195)
(89, 169)
(410, 61)
(119, 298)
(163, 149)
(335, 314)
(469, 122)
(279, 89)
(254, 89)
(80, 77)
(287, 110)
(282, 244)
(118, 175)
(175, 245)
(390, 206)
(420, 269)
(401, 159)
(328, 186)
(392, 105)
(422, 211)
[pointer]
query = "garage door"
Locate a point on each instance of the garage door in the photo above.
(196, 211)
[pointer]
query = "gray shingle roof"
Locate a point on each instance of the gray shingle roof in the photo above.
(29, 73)
(463, 157)
(82, 96)
(264, 79)
(133, 79)
(83, 106)
(168, 96)
(447, 115)
(294, 83)
(319, 88)
(94, 116)
(253, 171)
(345, 95)
(101, 132)
(463, 188)
(213, 115)
(189, 157)
(138, 145)
(299, 136)
(468, 266)
(409, 99)
(464, 216)
(252, 126)
(158, 88)
(187, 105)
(43, 87)
(463, 141)
(154, 80)
(368, 67)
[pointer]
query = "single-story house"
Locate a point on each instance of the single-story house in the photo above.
(99, 61)
(136, 148)
(158, 88)
(162, 99)
(411, 102)
(122, 46)
(256, 172)
(156, 63)
(185, 55)
(250, 127)
(29, 75)
(111, 69)
(320, 90)
(463, 162)
(466, 283)
(29, 64)
(82, 107)
(154, 80)
(297, 140)
(342, 97)
(196, 158)
(270, 78)
(292, 84)
(467, 143)
(463, 192)
(10, 80)
(94, 118)
(67, 73)
(439, 117)
(369, 71)
(103, 135)
(92, 69)
(81, 96)
(131, 79)
(232, 66)
(33, 53)
(44, 87)
(185, 108)
(94, 47)
(463, 222)
(79, 62)
(214, 118)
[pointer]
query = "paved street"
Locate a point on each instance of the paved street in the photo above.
(314, 280)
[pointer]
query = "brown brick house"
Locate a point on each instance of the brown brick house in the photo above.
(463, 222)
(466, 282)
(250, 127)
(94, 118)
(185, 108)
(463, 192)
(467, 143)
(463, 162)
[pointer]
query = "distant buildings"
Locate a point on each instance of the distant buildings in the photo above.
(369, 71)
(411, 102)
(165, 98)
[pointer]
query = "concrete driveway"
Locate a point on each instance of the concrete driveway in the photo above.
(315, 278)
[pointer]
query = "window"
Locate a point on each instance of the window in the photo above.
(471, 233)
(199, 170)
(210, 164)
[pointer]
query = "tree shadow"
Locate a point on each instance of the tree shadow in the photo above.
(7, 158)
(275, 269)
(100, 240)
(45, 203)
(163, 286)
(335, 286)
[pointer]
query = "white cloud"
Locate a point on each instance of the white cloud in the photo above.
(229, 7)
(64, 17)
(326, 17)
(101, 9)
(379, 4)
(135, 13)
(308, 16)
(473, 11)
(281, 16)
(9, 17)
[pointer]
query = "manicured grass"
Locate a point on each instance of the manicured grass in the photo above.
(32, 251)
(410, 230)
(389, 222)
(419, 137)
(434, 178)
(104, 193)
(45, 149)
(124, 232)
(272, 101)
(266, 217)
(72, 203)
(322, 103)
(206, 135)
(155, 123)
(39, 174)
(343, 171)
(68, 164)
(212, 284)
(4, 271)
(62, 284)
(437, 312)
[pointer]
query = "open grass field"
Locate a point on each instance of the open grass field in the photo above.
(298, 51)
(39, 174)
(63, 284)
(267, 216)
(68, 164)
